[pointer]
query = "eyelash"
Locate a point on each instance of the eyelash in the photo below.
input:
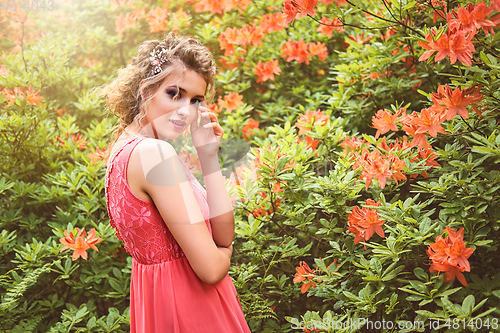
(177, 94)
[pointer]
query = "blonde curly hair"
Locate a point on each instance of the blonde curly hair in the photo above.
(129, 95)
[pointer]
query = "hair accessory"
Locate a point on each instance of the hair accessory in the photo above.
(157, 58)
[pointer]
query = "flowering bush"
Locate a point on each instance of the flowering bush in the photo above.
(375, 139)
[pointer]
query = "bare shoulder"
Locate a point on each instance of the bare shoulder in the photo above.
(155, 163)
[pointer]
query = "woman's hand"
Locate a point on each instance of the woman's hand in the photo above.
(207, 136)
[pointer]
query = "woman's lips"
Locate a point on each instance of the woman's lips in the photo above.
(177, 124)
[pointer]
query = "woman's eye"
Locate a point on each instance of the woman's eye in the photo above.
(196, 100)
(174, 94)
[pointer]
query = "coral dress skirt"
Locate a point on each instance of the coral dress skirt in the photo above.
(166, 295)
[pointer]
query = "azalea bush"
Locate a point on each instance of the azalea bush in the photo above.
(361, 147)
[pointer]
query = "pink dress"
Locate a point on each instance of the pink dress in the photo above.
(166, 295)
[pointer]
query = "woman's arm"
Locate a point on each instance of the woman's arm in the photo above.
(164, 180)
(221, 210)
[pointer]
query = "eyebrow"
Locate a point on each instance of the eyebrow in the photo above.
(184, 90)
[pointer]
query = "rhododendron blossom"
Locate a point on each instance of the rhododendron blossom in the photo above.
(328, 27)
(231, 102)
(311, 117)
(374, 166)
(452, 102)
(384, 121)
(79, 244)
(249, 127)
(473, 17)
(458, 46)
(429, 121)
(304, 273)
(273, 22)
(296, 51)
(450, 255)
(265, 71)
(123, 23)
(157, 19)
(318, 49)
(299, 8)
(364, 222)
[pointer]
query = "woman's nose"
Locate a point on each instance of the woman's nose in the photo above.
(184, 111)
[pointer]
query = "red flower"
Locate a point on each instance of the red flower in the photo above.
(328, 27)
(374, 166)
(96, 155)
(303, 269)
(450, 255)
(318, 49)
(364, 222)
(296, 51)
(231, 102)
(472, 18)
(311, 117)
(274, 22)
(457, 46)
(385, 121)
(429, 121)
(454, 101)
(265, 71)
(247, 129)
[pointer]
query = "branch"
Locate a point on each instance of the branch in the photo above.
(350, 25)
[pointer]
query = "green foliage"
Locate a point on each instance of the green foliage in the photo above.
(292, 203)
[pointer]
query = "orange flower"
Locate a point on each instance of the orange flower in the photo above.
(247, 129)
(364, 222)
(227, 39)
(360, 39)
(303, 269)
(373, 167)
(214, 7)
(96, 155)
(410, 127)
(385, 121)
(157, 19)
(231, 101)
(328, 27)
(296, 51)
(429, 121)
(311, 119)
(251, 35)
(450, 255)
(179, 18)
(306, 7)
(458, 46)
(454, 101)
(298, 8)
(354, 144)
(33, 98)
(318, 49)
(275, 22)
(123, 23)
(80, 245)
(191, 160)
(265, 71)
(471, 18)
(62, 111)
(290, 10)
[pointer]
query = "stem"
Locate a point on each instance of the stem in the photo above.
(472, 129)
(350, 25)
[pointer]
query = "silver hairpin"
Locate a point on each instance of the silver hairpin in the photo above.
(157, 59)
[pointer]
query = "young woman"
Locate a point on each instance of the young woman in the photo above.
(178, 234)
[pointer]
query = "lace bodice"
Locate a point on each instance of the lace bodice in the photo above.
(138, 222)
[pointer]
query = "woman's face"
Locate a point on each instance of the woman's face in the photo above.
(173, 108)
